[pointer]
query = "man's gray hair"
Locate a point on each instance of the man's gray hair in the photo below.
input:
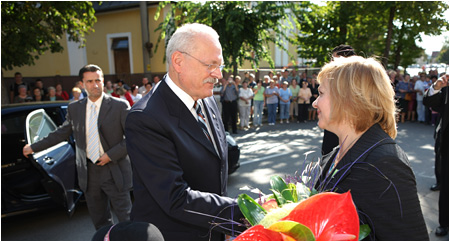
(183, 38)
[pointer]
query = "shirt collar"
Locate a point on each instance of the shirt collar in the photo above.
(97, 103)
(185, 98)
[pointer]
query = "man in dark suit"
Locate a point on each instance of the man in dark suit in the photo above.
(436, 97)
(178, 149)
(103, 166)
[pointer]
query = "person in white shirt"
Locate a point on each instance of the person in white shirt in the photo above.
(419, 87)
(135, 95)
(245, 97)
(142, 89)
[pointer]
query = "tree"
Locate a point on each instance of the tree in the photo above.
(245, 28)
(321, 28)
(412, 19)
(381, 28)
(443, 55)
(31, 28)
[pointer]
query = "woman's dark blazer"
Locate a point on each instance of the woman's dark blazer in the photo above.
(383, 187)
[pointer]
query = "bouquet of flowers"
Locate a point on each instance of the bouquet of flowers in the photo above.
(297, 212)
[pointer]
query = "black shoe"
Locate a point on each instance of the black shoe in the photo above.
(435, 187)
(441, 231)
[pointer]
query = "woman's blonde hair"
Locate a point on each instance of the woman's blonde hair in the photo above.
(76, 89)
(361, 93)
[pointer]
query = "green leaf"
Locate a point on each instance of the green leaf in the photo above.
(296, 230)
(302, 192)
(364, 231)
(277, 183)
(293, 188)
(280, 199)
(251, 210)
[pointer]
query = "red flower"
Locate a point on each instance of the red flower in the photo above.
(259, 233)
(270, 205)
(329, 215)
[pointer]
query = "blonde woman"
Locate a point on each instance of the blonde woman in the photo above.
(356, 102)
(76, 94)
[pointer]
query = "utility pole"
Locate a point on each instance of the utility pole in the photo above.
(146, 45)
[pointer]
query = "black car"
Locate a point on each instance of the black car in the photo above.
(46, 178)
(233, 154)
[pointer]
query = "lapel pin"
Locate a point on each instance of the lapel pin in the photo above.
(214, 116)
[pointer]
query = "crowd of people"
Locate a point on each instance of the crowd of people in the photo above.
(21, 92)
(409, 91)
(288, 97)
(283, 96)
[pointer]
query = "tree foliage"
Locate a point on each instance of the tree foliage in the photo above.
(31, 28)
(382, 28)
(443, 54)
(246, 29)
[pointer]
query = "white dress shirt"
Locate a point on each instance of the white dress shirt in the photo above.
(98, 104)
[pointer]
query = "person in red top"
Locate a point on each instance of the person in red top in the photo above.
(122, 93)
(60, 92)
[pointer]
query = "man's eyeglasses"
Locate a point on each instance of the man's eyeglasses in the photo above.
(211, 67)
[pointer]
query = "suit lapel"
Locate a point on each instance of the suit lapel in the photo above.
(214, 123)
(187, 122)
(81, 116)
(104, 109)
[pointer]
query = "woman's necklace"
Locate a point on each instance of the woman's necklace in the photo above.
(340, 154)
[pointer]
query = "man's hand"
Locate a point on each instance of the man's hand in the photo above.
(103, 160)
(27, 150)
(440, 83)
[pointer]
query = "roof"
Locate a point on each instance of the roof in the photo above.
(18, 107)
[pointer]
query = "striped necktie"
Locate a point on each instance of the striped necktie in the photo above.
(93, 140)
(202, 120)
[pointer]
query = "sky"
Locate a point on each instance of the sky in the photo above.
(432, 43)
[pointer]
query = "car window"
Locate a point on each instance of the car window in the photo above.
(39, 125)
(58, 114)
(13, 124)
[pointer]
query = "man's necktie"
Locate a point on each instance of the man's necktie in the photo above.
(93, 140)
(201, 120)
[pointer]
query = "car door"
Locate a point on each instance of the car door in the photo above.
(56, 164)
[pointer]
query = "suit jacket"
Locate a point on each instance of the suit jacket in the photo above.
(439, 103)
(111, 127)
(178, 177)
(383, 187)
